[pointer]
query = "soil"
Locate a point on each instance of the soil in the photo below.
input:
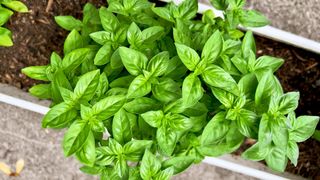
(36, 35)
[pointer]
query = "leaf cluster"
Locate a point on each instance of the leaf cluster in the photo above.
(6, 11)
(146, 91)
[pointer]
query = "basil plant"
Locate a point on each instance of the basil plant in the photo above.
(6, 11)
(145, 91)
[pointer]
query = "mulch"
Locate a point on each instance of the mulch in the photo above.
(36, 35)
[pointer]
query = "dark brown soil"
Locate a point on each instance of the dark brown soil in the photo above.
(36, 35)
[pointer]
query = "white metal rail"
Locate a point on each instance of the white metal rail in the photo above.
(209, 160)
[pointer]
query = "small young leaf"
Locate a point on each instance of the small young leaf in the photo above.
(212, 48)
(191, 90)
(150, 165)
(68, 22)
(188, 56)
(153, 118)
(73, 41)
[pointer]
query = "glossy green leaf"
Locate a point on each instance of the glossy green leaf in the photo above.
(303, 128)
(188, 56)
(76, 137)
(150, 165)
(68, 22)
(73, 41)
(191, 90)
(108, 106)
(134, 61)
(219, 78)
(212, 47)
(139, 87)
(121, 128)
(135, 149)
(153, 118)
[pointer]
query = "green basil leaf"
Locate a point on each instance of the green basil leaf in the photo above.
(165, 174)
(248, 44)
(59, 116)
(191, 90)
(73, 41)
(135, 149)
(167, 140)
(219, 78)
(188, 56)
(94, 170)
(197, 110)
(265, 132)
(102, 86)
(153, 118)
(268, 86)
(104, 54)
(248, 123)
(280, 136)
(68, 22)
(76, 137)
(91, 14)
(59, 81)
(215, 130)
(87, 85)
(179, 164)
(122, 168)
(122, 82)
(224, 97)
(187, 9)
(288, 102)
(5, 15)
(142, 105)
(163, 13)
(266, 62)
(293, 152)
(255, 153)
(134, 61)
(150, 165)
(152, 34)
(159, 64)
(109, 21)
(252, 18)
(178, 122)
(115, 60)
(176, 69)
(139, 87)
(212, 47)
(73, 59)
(105, 156)
(87, 154)
(101, 37)
(277, 159)
(303, 128)
(36, 72)
(5, 37)
(220, 4)
(108, 106)
(42, 91)
(167, 90)
(121, 129)
(16, 6)
(134, 34)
